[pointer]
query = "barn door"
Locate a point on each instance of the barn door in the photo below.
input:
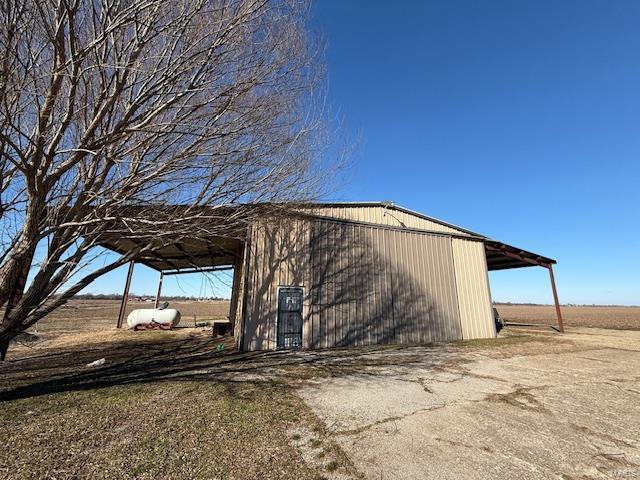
(290, 317)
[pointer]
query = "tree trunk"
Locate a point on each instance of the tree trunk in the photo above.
(15, 270)
(4, 346)
(5, 336)
(16, 295)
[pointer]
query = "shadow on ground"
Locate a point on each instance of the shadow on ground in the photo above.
(192, 357)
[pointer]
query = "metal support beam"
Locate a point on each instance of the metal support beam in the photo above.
(517, 256)
(235, 292)
(197, 270)
(125, 294)
(159, 290)
(555, 298)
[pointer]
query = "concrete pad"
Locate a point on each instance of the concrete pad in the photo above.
(559, 416)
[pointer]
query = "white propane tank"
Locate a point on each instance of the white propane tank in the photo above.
(145, 316)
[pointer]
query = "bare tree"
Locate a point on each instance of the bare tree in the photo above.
(111, 108)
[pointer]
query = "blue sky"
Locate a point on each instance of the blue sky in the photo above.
(519, 120)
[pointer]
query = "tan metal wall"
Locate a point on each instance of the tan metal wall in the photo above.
(383, 216)
(472, 285)
(373, 285)
(278, 255)
(363, 284)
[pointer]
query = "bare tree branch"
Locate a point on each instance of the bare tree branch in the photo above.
(125, 103)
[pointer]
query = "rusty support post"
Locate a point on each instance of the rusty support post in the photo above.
(157, 304)
(125, 295)
(555, 298)
(235, 291)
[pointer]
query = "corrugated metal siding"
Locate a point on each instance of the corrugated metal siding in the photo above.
(279, 255)
(472, 285)
(374, 285)
(364, 285)
(383, 216)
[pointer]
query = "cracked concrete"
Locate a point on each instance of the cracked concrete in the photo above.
(568, 411)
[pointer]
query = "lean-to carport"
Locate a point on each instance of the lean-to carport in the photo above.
(179, 258)
(501, 256)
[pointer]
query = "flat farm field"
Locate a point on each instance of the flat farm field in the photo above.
(87, 315)
(624, 318)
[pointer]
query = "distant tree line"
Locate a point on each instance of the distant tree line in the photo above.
(117, 296)
(524, 304)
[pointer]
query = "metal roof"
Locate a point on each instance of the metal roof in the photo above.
(392, 206)
(500, 255)
(187, 254)
(216, 250)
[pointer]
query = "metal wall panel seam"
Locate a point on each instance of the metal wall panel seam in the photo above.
(430, 320)
(332, 290)
(455, 272)
(420, 307)
(434, 265)
(415, 307)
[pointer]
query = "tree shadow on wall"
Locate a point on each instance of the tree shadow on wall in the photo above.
(364, 285)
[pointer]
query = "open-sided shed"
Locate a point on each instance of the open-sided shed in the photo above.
(340, 274)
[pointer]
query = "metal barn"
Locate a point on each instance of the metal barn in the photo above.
(351, 274)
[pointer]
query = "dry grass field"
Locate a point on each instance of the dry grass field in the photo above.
(165, 405)
(625, 318)
(174, 405)
(88, 315)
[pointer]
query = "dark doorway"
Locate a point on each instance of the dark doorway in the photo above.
(290, 317)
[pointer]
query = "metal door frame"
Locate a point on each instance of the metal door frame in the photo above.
(301, 287)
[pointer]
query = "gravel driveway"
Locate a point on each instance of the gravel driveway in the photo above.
(564, 408)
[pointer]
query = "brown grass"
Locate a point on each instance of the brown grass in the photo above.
(159, 430)
(89, 315)
(170, 405)
(167, 404)
(626, 318)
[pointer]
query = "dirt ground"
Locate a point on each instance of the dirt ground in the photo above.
(90, 315)
(174, 405)
(625, 318)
